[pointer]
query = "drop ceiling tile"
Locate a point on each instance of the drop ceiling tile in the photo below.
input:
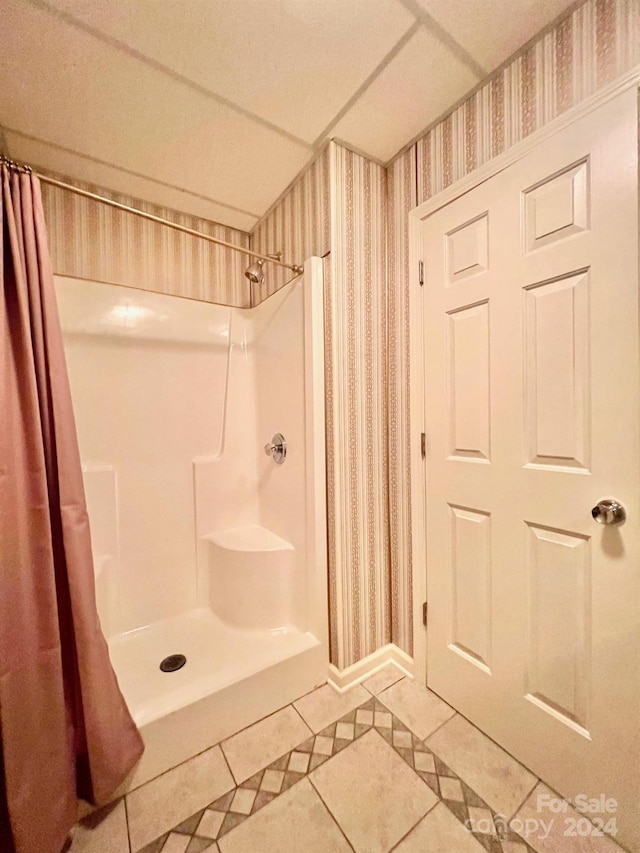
(293, 62)
(417, 86)
(63, 86)
(491, 30)
(45, 156)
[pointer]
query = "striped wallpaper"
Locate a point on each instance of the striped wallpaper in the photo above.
(297, 225)
(91, 240)
(402, 189)
(356, 337)
(587, 50)
(596, 43)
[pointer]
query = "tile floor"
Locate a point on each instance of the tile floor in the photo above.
(386, 766)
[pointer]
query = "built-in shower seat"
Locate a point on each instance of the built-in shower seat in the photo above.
(251, 577)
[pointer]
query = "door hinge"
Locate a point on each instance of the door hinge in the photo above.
(424, 613)
(423, 444)
(421, 273)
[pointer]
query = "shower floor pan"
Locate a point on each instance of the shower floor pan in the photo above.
(232, 677)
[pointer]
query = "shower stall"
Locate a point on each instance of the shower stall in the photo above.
(209, 553)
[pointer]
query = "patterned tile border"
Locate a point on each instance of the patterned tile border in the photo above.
(224, 814)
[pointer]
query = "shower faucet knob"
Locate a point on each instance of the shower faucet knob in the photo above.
(277, 448)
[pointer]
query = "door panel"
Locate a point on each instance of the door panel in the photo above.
(557, 674)
(470, 571)
(556, 372)
(531, 372)
(468, 374)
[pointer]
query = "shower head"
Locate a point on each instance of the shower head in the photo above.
(255, 273)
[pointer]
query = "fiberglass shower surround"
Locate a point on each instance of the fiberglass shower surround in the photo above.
(203, 545)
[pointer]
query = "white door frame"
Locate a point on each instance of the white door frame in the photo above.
(416, 296)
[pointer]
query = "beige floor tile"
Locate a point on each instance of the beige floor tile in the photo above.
(171, 798)
(323, 745)
(103, 831)
(243, 800)
(382, 719)
(345, 731)
(402, 740)
(176, 843)
(496, 776)
(296, 821)
(298, 762)
(451, 789)
(210, 823)
(547, 829)
(439, 832)
(372, 793)
(272, 781)
(260, 744)
(325, 705)
(418, 708)
(364, 717)
(383, 679)
(481, 820)
(424, 762)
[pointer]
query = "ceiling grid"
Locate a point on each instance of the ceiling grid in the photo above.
(213, 107)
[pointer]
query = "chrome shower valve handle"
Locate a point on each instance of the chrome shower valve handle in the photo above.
(277, 448)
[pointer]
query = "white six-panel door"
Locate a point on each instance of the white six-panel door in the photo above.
(531, 383)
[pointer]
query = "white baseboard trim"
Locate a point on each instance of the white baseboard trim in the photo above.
(343, 679)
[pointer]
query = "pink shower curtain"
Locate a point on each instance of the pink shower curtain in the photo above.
(65, 731)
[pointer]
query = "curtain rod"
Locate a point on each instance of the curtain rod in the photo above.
(296, 268)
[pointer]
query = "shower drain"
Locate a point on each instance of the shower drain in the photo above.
(173, 663)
